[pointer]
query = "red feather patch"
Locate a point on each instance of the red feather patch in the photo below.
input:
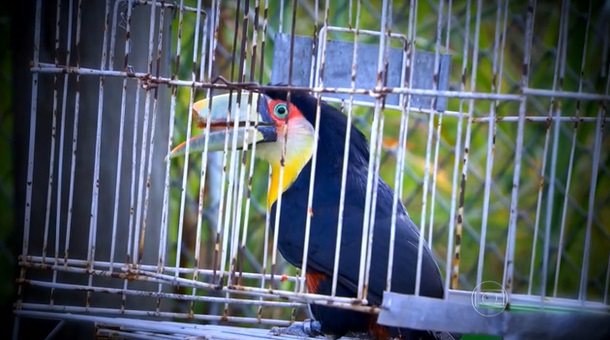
(313, 281)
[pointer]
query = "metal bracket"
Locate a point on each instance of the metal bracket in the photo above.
(420, 312)
(338, 69)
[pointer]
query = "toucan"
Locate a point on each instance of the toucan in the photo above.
(281, 123)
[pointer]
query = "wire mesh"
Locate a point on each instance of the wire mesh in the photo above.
(506, 183)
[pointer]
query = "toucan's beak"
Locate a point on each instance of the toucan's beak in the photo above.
(253, 122)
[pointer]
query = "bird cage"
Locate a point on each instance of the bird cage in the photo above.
(487, 120)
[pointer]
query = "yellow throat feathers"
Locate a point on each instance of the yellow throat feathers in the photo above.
(299, 149)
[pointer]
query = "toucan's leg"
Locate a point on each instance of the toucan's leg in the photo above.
(308, 327)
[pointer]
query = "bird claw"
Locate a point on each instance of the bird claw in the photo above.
(307, 328)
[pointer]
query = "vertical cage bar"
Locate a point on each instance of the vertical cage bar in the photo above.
(63, 131)
(348, 132)
(561, 64)
(97, 154)
(367, 229)
(263, 270)
(321, 58)
(464, 176)
(439, 124)
(74, 134)
(131, 235)
(153, 58)
(560, 245)
(491, 148)
(119, 159)
(509, 262)
(452, 269)
(50, 182)
(142, 191)
(599, 129)
(31, 149)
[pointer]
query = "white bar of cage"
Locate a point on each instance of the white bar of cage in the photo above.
(595, 163)
(170, 137)
(127, 334)
(132, 189)
(81, 266)
(560, 244)
(253, 56)
(491, 138)
(408, 58)
(300, 286)
(31, 159)
(224, 225)
(238, 245)
(317, 77)
(159, 51)
(218, 251)
(302, 271)
(455, 226)
(426, 180)
(460, 215)
(560, 68)
(162, 231)
(204, 158)
(374, 92)
(248, 183)
(62, 137)
(507, 280)
(115, 24)
(382, 66)
(278, 210)
(346, 147)
(280, 188)
(53, 138)
(163, 4)
(475, 60)
(74, 136)
(185, 168)
(281, 17)
(94, 314)
(157, 294)
(146, 142)
(466, 95)
(368, 224)
(97, 152)
(440, 119)
(215, 9)
(542, 171)
(267, 216)
(119, 159)
(236, 173)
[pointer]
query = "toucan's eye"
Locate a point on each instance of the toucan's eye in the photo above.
(280, 110)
